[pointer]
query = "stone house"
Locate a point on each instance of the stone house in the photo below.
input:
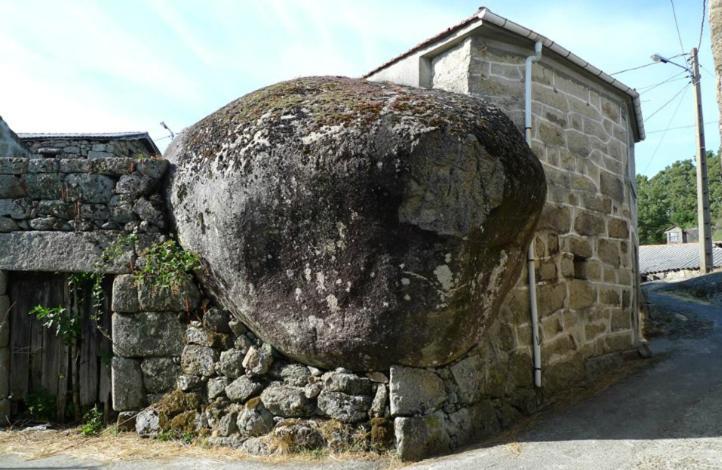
(584, 127)
(679, 235)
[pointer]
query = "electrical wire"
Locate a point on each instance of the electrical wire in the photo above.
(676, 77)
(633, 68)
(676, 26)
(657, 131)
(666, 103)
(644, 65)
(704, 69)
(701, 26)
(669, 125)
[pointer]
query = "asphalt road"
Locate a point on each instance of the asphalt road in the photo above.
(668, 416)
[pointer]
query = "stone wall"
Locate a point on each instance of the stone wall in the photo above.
(90, 148)
(148, 327)
(10, 144)
(586, 240)
(241, 392)
(50, 194)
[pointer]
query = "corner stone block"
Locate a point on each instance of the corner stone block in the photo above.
(164, 299)
(420, 437)
(125, 294)
(581, 294)
(469, 376)
(415, 391)
(126, 381)
(556, 218)
(587, 223)
(160, 373)
(611, 186)
(147, 334)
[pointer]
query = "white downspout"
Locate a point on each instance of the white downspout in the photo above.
(536, 340)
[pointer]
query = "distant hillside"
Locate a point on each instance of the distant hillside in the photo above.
(670, 198)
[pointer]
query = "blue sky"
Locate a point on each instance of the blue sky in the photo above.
(127, 65)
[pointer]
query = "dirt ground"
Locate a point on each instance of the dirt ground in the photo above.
(111, 447)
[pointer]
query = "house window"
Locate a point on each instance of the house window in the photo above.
(674, 237)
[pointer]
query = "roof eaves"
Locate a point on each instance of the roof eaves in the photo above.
(484, 14)
(133, 135)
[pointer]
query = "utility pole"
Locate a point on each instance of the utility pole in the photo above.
(703, 217)
(703, 224)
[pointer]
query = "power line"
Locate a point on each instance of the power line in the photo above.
(673, 78)
(633, 68)
(704, 69)
(669, 125)
(676, 25)
(701, 26)
(657, 131)
(644, 65)
(667, 103)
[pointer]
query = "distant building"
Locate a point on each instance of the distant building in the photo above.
(677, 234)
(674, 261)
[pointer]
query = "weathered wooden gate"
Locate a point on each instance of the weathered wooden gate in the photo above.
(39, 361)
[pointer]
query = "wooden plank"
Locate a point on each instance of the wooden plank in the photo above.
(39, 360)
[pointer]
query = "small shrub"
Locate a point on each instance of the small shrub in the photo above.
(92, 423)
(41, 405)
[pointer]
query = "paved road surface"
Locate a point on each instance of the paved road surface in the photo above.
(666, 417)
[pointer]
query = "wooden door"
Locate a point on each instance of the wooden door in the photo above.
(39, 361)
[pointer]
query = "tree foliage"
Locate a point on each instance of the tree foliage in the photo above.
(670, 198)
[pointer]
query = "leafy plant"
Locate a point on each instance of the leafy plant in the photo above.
(92, 423)
(65, 323)
(166, 265)
(41, 405)
(116, 249)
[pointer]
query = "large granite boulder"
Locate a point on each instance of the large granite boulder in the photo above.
(357, 224)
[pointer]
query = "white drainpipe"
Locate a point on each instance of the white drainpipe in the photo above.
(536, 340)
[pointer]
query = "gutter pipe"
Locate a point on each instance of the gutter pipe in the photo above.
(531, 270)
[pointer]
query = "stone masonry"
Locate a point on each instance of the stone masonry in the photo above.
(91, 146)
(148, 331)
(62, 213)
(49, 194)
(583, 132)
(586, 240)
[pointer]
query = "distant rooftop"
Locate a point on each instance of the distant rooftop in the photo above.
(132, 135)
(673, 257)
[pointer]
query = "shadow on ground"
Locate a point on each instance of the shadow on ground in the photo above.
(666, 415)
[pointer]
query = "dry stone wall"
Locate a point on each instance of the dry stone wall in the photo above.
(90, 148)
(239, 391)
(148, 327)
(49, 194)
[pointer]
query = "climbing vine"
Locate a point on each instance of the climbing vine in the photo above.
(162, 265)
